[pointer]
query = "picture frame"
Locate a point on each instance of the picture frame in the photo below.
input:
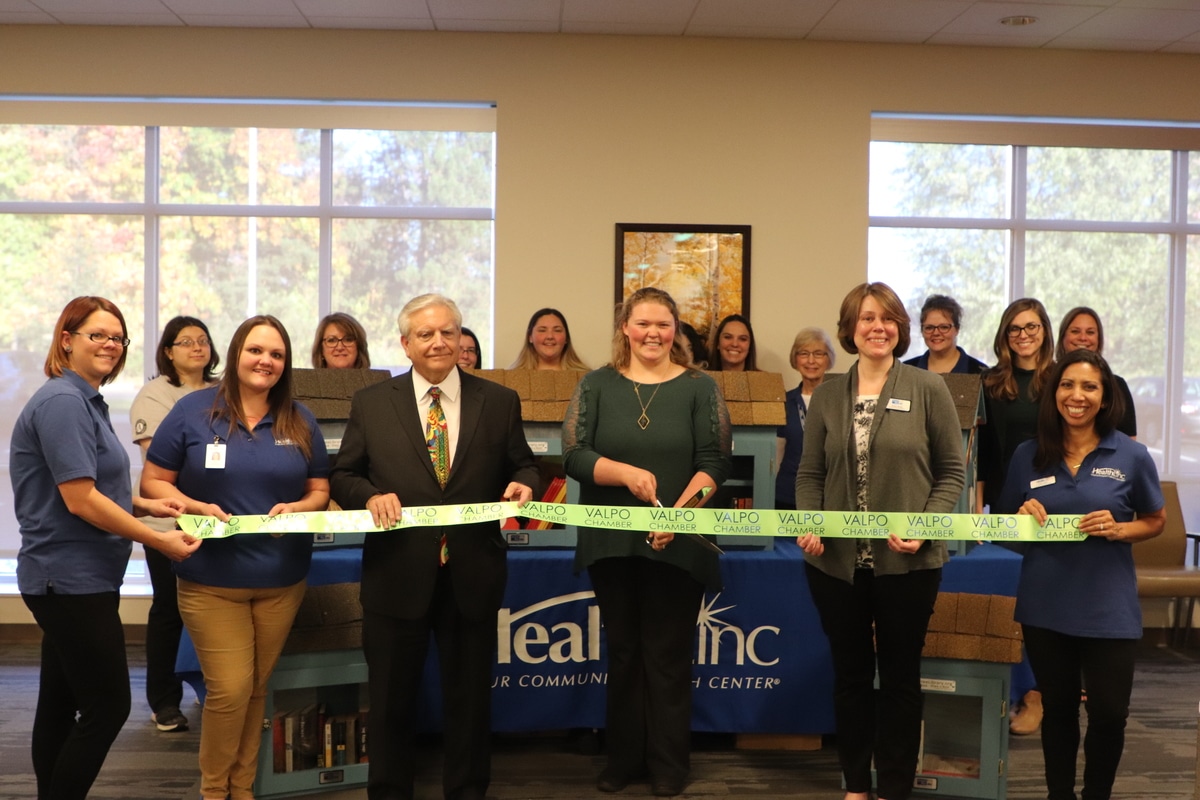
(705, 268)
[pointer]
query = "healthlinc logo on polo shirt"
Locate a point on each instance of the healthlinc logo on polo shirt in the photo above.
(1108, 472)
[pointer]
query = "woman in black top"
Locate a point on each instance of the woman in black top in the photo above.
(1024, 347)
(1081, 329)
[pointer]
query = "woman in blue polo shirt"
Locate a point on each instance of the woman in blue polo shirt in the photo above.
(73, 500)
(1077, 601)
(241, 447)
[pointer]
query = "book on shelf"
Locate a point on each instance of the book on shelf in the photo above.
(327, 739)
(278, 743)
(289, 741)
(308, 750)
(360, 731)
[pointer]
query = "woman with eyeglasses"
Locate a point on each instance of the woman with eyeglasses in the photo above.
(186, 361)
(341, 343)
(941, 317)
(812, 356)
(74, 505)
(1024, 347)
(1081, 329)
(470, 354)
(883, 437)
(242, 447)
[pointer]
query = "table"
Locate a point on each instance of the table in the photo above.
(762, 662)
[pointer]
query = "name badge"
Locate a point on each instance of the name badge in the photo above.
(896, 404)
(214, 456)
(1040, 482)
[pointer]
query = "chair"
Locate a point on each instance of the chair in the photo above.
(1162, 570)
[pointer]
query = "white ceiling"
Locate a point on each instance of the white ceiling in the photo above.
(1134, 25)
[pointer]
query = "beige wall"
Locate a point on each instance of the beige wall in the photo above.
(598, 130)
(602, 129)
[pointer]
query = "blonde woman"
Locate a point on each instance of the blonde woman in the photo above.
(812, 356)
(548, 343)
(647, 430)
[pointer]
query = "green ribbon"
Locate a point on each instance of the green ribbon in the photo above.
(708, 521)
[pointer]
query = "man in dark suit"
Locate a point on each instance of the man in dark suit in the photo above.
(445, 581)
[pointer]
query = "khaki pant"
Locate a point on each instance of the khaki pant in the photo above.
(238, 634)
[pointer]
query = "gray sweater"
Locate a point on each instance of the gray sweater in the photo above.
(916, 462)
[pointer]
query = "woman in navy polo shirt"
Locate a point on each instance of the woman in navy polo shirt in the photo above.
(73, 499)
(241, 447)
(1077, 601)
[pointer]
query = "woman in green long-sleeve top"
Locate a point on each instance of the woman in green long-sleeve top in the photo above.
(647, 429)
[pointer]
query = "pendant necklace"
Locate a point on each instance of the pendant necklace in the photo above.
(644, 421)
(1081, 459)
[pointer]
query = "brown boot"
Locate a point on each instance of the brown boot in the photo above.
(1029, 717)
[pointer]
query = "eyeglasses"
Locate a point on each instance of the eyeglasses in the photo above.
(333, 341)
(101, 338)
(188, 344)
(1030, 330)
(942, 329)
(815, 355)
(471, 351)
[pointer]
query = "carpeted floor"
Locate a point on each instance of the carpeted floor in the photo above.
(1160, 754)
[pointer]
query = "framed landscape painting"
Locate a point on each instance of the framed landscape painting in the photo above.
(705, 268)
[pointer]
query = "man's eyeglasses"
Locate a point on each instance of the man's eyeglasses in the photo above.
(942, 329)
(101, 338)
(334, 341)
(1030, 330)
(188, 344)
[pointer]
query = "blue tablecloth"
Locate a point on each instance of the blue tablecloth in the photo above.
(762, 662)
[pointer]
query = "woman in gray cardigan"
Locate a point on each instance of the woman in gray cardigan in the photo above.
(883, 437)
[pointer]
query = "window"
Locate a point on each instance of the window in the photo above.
(288, 209)
(1100, 215)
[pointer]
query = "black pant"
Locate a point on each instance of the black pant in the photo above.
(395, 650)
(1062, 664)
(163, 627)
(649, 610)
(884, 618)
(83, 672)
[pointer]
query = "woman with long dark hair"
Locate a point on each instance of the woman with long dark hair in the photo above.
(733, 348)
(186, 360)
(242, 447)
(1077, 601)
(1024, 348)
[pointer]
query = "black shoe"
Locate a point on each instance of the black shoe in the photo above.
(169, 720)
(609, 781)
(662, 787)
